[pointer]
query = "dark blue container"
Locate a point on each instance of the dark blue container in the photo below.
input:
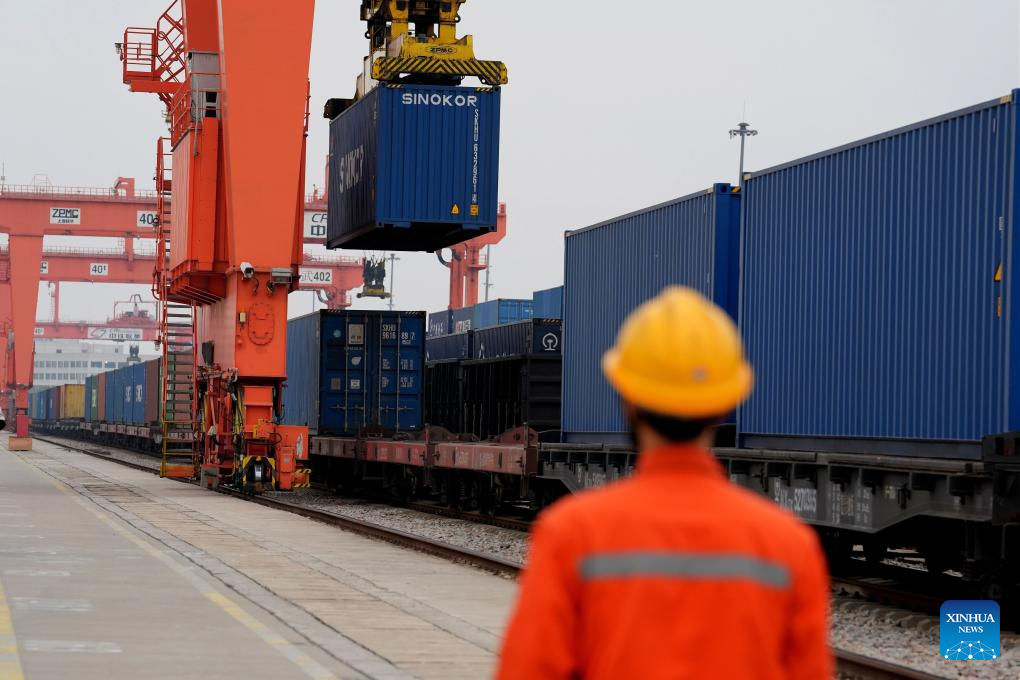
(496, 312)
(34, 409)
(613, 267)
(548, 303)
(446, 347)
(40, 401)
(414, 167)
(451, 321)
(121, 394)
(137, 373)
(348, 370)
(536, 336)
(113, 396)
(871, 293)
(440, 323)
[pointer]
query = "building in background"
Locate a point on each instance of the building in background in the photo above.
(60, 362)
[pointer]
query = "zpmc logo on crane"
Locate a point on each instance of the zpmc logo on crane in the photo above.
(65, 215)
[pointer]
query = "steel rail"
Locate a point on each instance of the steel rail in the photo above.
(860, 667)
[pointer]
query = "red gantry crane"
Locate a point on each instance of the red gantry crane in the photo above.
(30, 212)
(468, 260)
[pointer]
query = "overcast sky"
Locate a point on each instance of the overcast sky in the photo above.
(605, 112)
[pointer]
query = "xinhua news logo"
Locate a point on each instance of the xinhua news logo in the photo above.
(969, 630)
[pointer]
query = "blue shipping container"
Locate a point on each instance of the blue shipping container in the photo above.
(548, 303)
(439, 324)
(347, 370)
(137, 372)
(446, 347)
(450, 321)
(112, 391)
(871, 295)
(536, 336)
(614, 266)
(120, 383)
(38, 402)
(496, 312)
(414, 167)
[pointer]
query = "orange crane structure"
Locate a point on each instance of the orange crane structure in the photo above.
(229, 183)
(137, 323)
(468, 260)
(233, 75)
(30, 212)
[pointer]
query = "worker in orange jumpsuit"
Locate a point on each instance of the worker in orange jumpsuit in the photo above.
(674, 572)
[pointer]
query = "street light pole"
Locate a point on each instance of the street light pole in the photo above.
(743, 131)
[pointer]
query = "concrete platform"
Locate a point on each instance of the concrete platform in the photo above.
(108, 572)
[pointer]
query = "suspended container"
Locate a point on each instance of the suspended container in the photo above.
(880, 294)
(414, 167)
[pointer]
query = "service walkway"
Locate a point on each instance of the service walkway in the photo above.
(110, 573)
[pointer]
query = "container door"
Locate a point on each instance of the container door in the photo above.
(343, 378)
(398, 401)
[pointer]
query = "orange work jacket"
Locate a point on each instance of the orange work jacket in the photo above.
(672, 573)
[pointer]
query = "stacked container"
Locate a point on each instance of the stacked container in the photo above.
(512, 378)
(72, 402)
(137, 383)
(101, 408)
(501, 311)
(548, 303)
(348, 371)
(880, 291)
(150, 415)
(53, 403)
(613, 267)
(537, 336)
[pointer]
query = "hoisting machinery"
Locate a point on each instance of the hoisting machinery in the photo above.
(232, 170)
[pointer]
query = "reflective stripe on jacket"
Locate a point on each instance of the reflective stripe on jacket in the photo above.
(673, 573)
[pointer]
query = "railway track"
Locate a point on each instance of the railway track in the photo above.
(885, 591)
(395, 536)
(850, 665)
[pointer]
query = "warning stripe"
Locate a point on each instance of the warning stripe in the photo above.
(10, 661)
(490, 72)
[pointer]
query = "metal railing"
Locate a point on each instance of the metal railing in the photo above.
(312, 201)
(65, 251)
(96, 193)
(334, 260)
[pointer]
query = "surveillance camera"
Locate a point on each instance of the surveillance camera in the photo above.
(247, 270)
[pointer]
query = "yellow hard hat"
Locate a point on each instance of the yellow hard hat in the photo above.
(679, 355)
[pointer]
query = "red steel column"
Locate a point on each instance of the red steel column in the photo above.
(5, 358)
(26, 256)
